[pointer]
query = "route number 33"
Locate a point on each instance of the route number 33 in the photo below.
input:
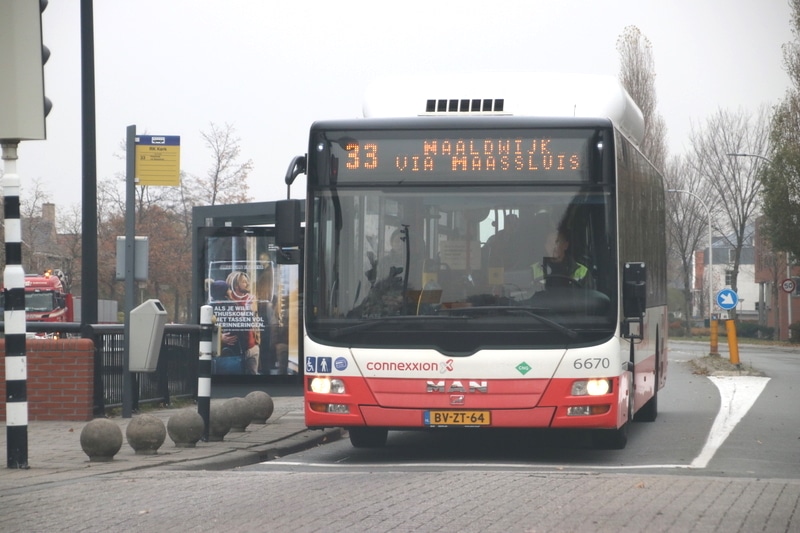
(359, 157)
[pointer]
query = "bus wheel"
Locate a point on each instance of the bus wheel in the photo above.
(368, 437)
(610, 439)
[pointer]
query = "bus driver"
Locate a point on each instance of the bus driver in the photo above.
(559, 269)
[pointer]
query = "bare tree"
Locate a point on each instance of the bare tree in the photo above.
(70, 245)
(165, 215)
(687, 224)
(226, 179)
(37, 216)
(768, 262)
(162, 213)
(637, 75)
(735, 180)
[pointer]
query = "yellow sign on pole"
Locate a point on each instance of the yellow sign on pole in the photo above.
(158, 160)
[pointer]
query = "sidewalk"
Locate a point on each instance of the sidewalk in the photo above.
(55, 453)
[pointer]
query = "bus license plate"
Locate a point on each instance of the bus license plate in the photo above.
(458, 418)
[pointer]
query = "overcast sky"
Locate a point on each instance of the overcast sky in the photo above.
(172, 67)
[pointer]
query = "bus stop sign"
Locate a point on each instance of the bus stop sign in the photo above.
(727, 299)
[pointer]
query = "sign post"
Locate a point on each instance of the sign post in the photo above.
(151, 160)
(727, 300)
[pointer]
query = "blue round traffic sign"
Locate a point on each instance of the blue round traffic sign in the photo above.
(727, 299)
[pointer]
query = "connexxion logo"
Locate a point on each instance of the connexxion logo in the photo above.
(410, 366)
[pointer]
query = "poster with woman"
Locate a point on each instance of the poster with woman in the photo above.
(255, 306)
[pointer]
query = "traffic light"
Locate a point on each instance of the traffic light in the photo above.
(23, 105)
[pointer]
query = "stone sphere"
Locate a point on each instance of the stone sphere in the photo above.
(262, 405)
(101, 439)
(241, 414)
(146, 434)
(219, 423)
(185, 428)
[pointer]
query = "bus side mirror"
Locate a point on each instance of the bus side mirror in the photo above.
(296, 167)
(634, 299)
(288, 231)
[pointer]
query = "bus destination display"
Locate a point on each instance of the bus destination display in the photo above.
(512, 157)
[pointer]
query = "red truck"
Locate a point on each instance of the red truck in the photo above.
(45, 299)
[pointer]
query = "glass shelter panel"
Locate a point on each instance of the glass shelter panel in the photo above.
(254, 300)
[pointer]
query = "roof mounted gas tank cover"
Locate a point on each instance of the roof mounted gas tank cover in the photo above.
(531, 94)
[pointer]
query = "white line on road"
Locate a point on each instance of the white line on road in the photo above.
(737, 396)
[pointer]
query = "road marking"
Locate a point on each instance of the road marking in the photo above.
(469, 466)
(737, 396)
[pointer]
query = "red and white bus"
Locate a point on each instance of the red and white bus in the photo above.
(484, 251)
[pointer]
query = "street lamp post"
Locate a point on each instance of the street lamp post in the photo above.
(710, 251)
(768, 160)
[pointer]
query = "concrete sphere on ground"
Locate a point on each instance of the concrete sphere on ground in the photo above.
(219, 423)
(101, 439)
(262, 405)
(146, 434)
(241, 414)
(185, 428)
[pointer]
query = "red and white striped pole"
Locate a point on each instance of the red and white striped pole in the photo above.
(14, 317)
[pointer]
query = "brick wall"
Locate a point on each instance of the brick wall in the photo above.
(60, 379)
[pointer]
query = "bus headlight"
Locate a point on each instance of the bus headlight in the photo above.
(326, 385)
(591, 387)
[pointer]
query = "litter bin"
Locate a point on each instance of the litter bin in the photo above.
(147, 330)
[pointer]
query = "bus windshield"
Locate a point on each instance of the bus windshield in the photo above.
(460, 269)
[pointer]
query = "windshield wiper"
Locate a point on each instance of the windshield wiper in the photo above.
(373, 322)
(528, 311)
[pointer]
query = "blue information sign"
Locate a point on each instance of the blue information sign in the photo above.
(727, 299)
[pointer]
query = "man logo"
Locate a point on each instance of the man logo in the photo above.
(457, 386)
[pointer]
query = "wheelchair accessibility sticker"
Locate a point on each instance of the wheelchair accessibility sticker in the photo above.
(318, 365)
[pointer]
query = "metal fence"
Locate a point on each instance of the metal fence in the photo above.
(175, 375)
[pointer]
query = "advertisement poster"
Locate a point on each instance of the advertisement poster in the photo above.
(255, 306)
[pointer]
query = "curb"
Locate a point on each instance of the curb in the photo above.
(300, 441)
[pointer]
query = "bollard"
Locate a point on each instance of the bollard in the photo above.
(220, 422)
(101, 439)
(262, 404)
(146, 433)
(714, 350)
(733, 342)
(204, 369)
(241, 414)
